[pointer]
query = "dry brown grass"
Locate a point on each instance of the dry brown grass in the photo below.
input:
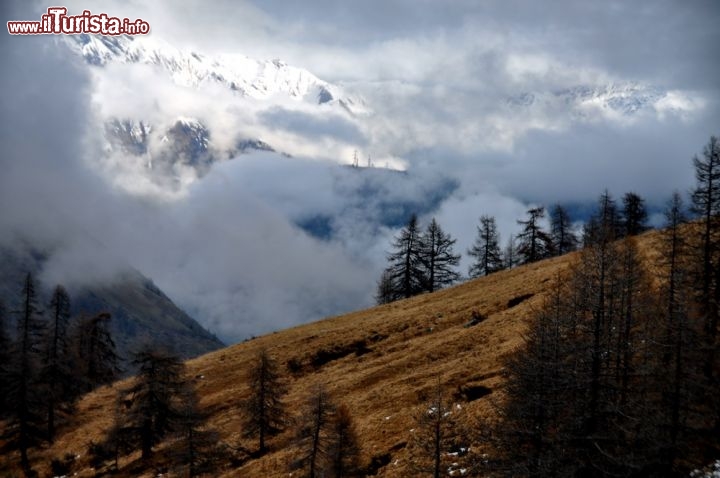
(412, 343)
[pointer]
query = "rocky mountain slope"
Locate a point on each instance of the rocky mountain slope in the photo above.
(173, 146)
(141, 312)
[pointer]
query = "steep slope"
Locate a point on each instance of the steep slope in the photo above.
(141, 313)
(382, 362)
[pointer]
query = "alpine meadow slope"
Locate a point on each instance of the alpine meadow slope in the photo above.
(383, 363)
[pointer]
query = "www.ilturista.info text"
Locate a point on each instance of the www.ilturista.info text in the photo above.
(57, 22)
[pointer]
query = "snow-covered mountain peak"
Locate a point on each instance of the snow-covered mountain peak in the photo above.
(620, 100)
(258, 79)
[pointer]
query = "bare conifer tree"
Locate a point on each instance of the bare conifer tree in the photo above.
(634, 215)
(533, 243)
(155, 398)
(97, 358)
(57, 373)
(315, 434)
(434, 436)
(404, 276)
(486, 249)
(24, 427)
(437, 258)
(265, 411)
(563, 237)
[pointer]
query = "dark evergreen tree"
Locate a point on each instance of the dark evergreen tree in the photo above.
(486, 249)
(315, 434)
(265, 412)
(706, 204)
(155, 398)
(533, 243)
(438, 262)
(97, 358)
(678, 338)
(57, 374)
(344, 446)
(24, 426)
(563, 237)
(634, 215)
(605, 224)
(405, 275)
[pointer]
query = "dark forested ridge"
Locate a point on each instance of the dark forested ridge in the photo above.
(141, 312)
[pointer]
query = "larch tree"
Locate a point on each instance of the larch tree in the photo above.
(404, 275)
(534, 244)
(264, 410)
(57, 373)
(678, 337)
(155, 398)
(634, 215)
(534, 433)
(580, 397)
(562, 235)
(486, 249)
(437, 260)
(23, 428)
(619, 321)
(605, 224)
(434, 436)
(98, 361)
(706, 204)
(315, 434)
(616, 377)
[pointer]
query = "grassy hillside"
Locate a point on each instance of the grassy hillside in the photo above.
(382, 362)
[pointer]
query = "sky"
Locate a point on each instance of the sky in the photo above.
(446, 84)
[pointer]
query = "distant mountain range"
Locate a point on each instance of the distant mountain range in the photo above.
(247, 77)
(626, 99)
(185, 141)
(188, 141)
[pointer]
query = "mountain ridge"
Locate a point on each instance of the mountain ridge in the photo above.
(141, 313)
